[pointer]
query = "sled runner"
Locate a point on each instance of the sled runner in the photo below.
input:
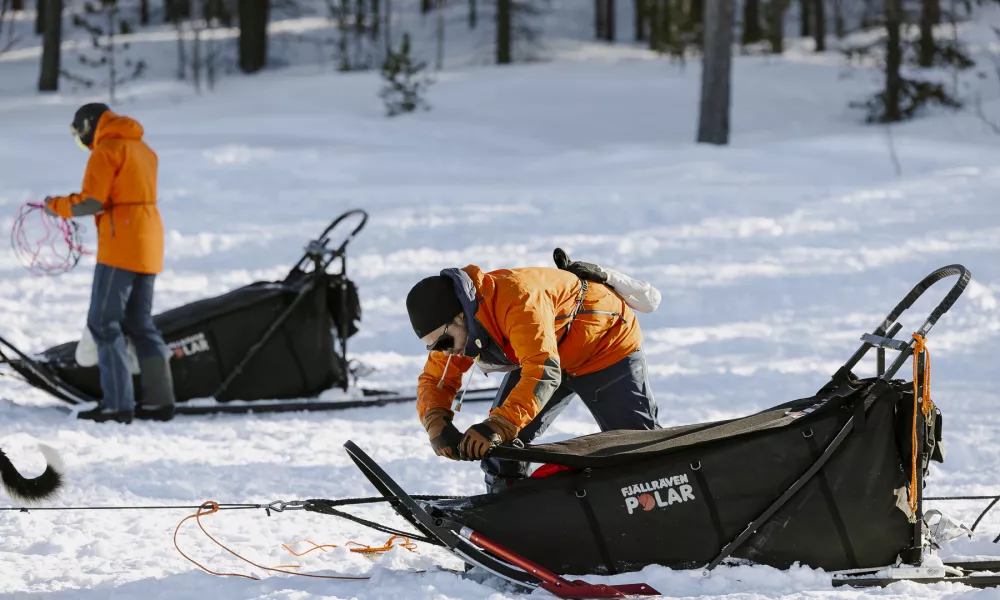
(269, 346)
(832, 481)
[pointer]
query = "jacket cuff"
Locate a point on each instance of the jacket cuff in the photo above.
(433, 415)
(502, 426)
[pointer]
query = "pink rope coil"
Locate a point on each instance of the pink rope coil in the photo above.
(46, 244)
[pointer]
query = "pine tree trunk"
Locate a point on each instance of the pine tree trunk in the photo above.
(440, 34)
(696, 16)
(839, 26)
(653, 8)
(930, 15)
(805, 18)
(611, 21)
(894, 59)
(473, 17)
(181, 56)
(426, 6)
(713, 121)
(376, 19)
(820, 26)
(599, 19)
(176, 10)
(503, 31)
(144, 12)
(40, 17)
(751, 22)
(776, 25)
(253, 34)
(48, 80)
(388, 26)
(640, 19)
(17, 5)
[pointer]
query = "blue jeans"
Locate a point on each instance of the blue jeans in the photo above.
(619, 397)
(121, 303)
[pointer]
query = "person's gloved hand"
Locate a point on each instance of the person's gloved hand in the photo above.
(481, 437)
(583, 270)
(48, 208)
(444, 436)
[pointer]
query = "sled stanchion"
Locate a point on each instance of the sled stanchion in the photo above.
(784, 497)
(256, 348)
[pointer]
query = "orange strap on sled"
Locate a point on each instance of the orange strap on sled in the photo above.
(923, 402)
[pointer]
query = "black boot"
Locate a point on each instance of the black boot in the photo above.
(100, 415)
(154, 413)
(157, 389)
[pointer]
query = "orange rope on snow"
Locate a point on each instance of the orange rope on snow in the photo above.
(213, 507)
(925, 405)
(361, 549)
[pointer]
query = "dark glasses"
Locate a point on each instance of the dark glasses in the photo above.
(445, 342)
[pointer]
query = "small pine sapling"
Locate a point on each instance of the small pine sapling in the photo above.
(404, 82)
(107, 49)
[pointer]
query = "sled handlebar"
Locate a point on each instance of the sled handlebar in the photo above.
(316, 250)
(326, 232)
(883, 335)
(918, 291)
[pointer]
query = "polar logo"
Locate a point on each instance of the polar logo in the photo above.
(658, 493)
(193, 344)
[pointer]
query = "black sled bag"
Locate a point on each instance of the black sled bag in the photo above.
(620, 500)
(211, 340)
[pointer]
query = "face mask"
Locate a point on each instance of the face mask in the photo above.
(445, 342)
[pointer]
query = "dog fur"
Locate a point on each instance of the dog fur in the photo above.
(43, 487)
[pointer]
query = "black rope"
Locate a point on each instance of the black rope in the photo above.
(326, 507)
(317, 506)
(962, 497)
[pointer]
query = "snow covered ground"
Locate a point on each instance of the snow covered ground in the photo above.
(773, 256)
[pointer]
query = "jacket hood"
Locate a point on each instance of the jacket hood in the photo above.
(112, 125)
(473, 285)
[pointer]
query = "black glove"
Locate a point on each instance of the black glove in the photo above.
(446, 442)
(583, 270)
(478, 441)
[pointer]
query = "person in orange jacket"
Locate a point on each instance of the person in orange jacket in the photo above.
(553, 331)
(119, 192)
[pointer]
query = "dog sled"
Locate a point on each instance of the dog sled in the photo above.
(270, 346)
(833, 481)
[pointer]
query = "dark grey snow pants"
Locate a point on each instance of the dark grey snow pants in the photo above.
(619, 397)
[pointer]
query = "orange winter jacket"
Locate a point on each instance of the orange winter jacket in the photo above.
(121, 175)
(520, 321)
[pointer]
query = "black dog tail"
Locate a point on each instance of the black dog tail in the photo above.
(43, 487)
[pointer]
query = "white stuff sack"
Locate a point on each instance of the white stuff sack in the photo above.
(640, 295)
(86, 352)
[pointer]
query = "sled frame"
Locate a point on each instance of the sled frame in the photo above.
(321, 256)
(878, 339)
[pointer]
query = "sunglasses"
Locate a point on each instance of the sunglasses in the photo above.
(445, 342)
(76, 138)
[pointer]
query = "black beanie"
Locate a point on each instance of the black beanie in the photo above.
(85, 121)
(432, 303)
